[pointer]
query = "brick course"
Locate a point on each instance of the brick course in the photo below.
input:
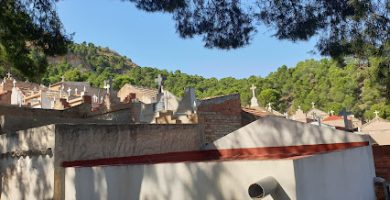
(219, 116)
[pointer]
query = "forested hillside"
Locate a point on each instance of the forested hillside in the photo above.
(323, 82)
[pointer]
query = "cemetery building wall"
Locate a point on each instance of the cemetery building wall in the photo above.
(185, 180)
(27, 164)
(219, 116)
(345, 174)
(41, 152)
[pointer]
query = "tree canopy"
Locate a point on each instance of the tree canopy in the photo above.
(323, 82)
(30, 30)
(344, 27)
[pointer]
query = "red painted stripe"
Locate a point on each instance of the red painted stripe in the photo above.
(261, 153)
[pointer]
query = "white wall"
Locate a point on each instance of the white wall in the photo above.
(346, 174)
(275, 131)
(29, 178)
(192, 180)
(25, 174)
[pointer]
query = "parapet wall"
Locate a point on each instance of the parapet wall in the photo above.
(85, 142)
(31, 160)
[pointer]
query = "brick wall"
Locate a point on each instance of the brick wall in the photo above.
(5, 98)
(382, 166)
(219, 116)
(382, 161)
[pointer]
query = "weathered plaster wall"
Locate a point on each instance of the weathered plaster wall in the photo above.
(31, 160)
(275, 131)
(122, 116)
(82, 142)
(29, 178)
(346, 174)
(27, 164)
(9, 123)
(193, 180)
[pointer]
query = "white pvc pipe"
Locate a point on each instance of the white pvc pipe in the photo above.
(262, 188)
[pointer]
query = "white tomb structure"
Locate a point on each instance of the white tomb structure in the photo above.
(254, 102)
(307, 162)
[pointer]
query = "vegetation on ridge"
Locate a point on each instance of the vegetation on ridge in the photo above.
(323, 82)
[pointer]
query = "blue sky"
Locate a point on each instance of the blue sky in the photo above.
(150, 39)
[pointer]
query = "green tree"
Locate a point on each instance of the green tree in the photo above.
(269, 96)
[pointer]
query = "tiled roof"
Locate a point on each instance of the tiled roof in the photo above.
(256, 112)
(333, 117)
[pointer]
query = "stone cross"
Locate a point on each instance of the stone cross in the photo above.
(9, 75)
(62, 78)
(94, 97)
(253, 88)
(313, 104)
(194, 107)
(69, 90)
(269, 107)
(75, 91)
(331, 112)
(84, 91)
(159, 81)
(376, 114)
(107, 86)
(345, 114)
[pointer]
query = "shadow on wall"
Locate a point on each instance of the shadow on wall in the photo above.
(27, 165)
(100, 183)
(172, 181)
(277, 132)
(28, 178)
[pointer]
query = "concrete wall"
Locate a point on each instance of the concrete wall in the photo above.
(193, 180)
(122, 116)
(275, 131)
(29, 178)
(83, 142)
(31, 160)
(346, 174)
(27, 164)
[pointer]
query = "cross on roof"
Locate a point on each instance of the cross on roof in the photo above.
(376, 114)
(253, 88)
(159, 81)
(107, 86)
(269, 107)
(69, 90)
(9, 75)
(313, 104)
